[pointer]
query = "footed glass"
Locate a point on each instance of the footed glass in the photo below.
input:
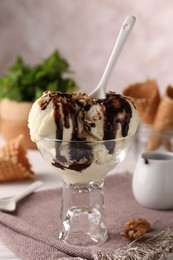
(83, 167)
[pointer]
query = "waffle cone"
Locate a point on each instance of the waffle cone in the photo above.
(14, 164)
(146, 97)
(163, 122)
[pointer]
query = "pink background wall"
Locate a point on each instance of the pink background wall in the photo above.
(85, 31)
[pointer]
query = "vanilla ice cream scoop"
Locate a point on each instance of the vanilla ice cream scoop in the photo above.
(81, 129)
(76, 116)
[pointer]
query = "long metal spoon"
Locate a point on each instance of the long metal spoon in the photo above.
(126, 28)
(9, 204)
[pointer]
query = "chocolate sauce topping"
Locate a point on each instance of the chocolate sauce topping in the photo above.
(116, 110)
(146, 161)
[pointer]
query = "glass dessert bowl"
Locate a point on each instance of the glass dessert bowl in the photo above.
(83, 166)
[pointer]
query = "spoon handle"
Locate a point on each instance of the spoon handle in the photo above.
(122, 37)
(28, 190)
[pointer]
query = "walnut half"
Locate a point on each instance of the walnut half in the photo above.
(135, 228)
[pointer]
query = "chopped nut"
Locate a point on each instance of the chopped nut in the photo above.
(135, 228)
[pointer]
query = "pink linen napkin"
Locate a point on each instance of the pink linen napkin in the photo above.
(31, 231)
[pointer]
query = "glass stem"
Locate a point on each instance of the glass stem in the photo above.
(83, 214)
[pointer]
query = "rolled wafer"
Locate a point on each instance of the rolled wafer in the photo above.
(146, 97)
(14, 164)
(163, 123)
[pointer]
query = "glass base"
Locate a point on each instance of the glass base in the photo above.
(83, 215)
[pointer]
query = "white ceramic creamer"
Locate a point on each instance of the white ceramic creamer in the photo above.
(153, 180)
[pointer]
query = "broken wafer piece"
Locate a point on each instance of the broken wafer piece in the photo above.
(14, 164)
(163, 123)
(146, 97)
